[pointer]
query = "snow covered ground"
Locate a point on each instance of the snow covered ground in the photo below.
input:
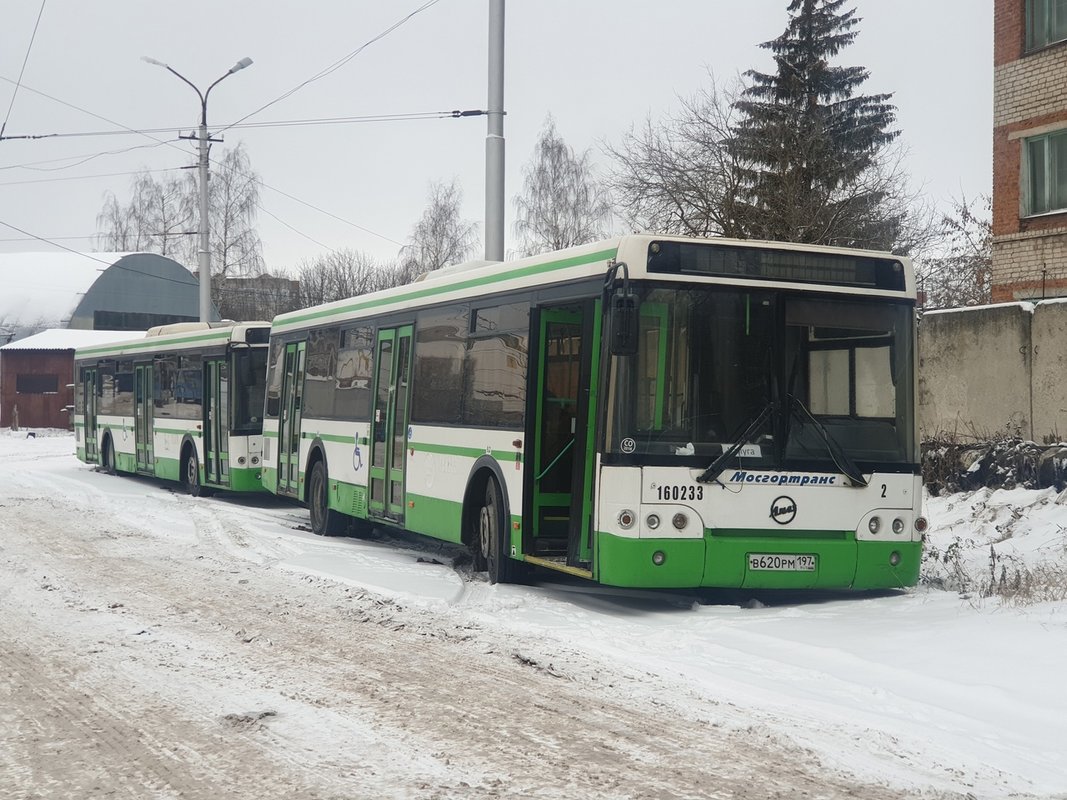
(947, 690)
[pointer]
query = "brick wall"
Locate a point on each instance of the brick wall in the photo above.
(1029, 98)
(1007, 30)
(36, 410)
(1030, 265)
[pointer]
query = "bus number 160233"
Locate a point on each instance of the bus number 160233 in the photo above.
(688, 492)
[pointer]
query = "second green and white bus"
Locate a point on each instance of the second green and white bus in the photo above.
(183, 402)
(649, 411)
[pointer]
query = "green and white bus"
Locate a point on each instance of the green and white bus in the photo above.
(184, 402)
(649, 411)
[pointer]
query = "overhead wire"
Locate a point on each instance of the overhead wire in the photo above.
(327, 213)
(48, 239)
(318, 76)
(339, 63)
(34, 165)
(174, 145)
(297, 231)
(22, 71)
(282, 123)
(89, 177)
(91, 257)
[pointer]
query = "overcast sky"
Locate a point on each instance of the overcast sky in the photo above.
(598, 66)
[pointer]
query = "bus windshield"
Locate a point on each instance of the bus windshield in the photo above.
(796, 376)
(249, 387)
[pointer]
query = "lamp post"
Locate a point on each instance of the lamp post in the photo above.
(205, 244)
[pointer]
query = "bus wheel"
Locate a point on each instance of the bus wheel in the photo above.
(192, 476)
(324, 520)
(492, 528)
(108, 456)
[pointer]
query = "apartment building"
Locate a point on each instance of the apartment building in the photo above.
(1029, 149)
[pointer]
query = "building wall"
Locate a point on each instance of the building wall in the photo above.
(994, 370)
(137, 292)
(1029, 98)
(36, 410)
(1049, 339)
(975, 372)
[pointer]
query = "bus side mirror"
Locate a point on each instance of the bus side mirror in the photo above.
(623, 324)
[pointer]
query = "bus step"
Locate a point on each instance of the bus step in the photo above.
(548, 545)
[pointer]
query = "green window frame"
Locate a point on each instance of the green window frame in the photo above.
(1046, 23)
(1045, 173)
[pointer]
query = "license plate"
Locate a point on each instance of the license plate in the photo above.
(781, 562)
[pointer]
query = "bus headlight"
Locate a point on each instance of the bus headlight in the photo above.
(658, 558)
(875, 524)
(680, 521)
(652, 521)
(898, 525)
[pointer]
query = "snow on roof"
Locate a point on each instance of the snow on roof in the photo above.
(69, 339)
(45, 288)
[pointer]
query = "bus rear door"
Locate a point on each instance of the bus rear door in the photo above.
(216, 421)
(289, 427)
(144, 410)
(89, 392)
(389, 423)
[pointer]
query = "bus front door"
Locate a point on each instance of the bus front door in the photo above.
(89, 392)
(289, 427)
(143, 411)
(389, 424)
(216, 421)
(561, 496)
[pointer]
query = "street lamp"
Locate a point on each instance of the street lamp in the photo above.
(205, 248)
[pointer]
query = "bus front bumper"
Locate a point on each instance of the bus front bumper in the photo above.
(722, 559)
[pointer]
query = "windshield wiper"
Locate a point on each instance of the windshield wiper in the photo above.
(720, 463)
(837, 454)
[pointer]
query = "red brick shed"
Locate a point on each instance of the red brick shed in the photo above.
(36, 375)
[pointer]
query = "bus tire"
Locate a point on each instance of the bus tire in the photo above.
(324, 520)
(491, 553)
(191, 475)
(107, 456)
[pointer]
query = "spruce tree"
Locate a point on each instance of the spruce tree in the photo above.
(809, 146)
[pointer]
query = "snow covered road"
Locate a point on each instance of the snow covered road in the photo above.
(154, 645)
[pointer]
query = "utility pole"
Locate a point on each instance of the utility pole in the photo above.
(494, 140)
(204, 250)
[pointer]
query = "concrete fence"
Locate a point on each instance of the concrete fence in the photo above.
(994, 370)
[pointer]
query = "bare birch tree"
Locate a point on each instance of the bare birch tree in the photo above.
(345, 273)
(962, 274)
(441, 236)
(162, 216)
(233, 200)
(562, 203)
(159, 218)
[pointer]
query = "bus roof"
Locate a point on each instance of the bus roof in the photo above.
(180, 336)
(460, 282)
